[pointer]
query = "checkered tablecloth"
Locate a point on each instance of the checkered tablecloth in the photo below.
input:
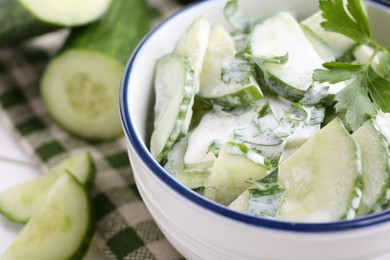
(125, 229)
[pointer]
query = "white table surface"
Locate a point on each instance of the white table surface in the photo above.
(16, 167)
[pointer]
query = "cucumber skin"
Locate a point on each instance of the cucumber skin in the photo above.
(18, 23)
(88, 185)
(92, 224)
(279, 87)
(243, 97)
(117, 33)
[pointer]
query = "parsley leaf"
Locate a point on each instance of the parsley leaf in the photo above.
(364, 94)
(242, 67)
(352, 22)
(336, 72)
(379, 89)
(266, 196)
(366, 91)
(354, 100)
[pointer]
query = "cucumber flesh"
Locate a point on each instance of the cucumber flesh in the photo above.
(235, 164)
(338, 43)
(192, 179)
(193, 43)
(61, 228)
(375, 167)
(319, 45)
(269, 38)
(80, 91)
(23, 19)
(80, 86)
(20, 202)
(220, 52)
(66, 12)
(215, 126)
(174, 88)
(363, 53)
(322, 179)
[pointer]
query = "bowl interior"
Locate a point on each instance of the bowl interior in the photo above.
(137, 94)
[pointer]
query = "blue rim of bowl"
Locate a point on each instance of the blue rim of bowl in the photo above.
(223, 211)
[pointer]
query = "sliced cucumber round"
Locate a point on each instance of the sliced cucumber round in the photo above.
(20, 202)
(375, 167)
(322, 179)
(23, 19)
(174, 88)
(61, 228)
(80, 91)
(67, 12)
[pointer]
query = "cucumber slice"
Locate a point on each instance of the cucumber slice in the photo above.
(22, 19)
(363, 54)
(322, 48)
(193, 43)
(220, 52)
(338, 43)
(20, 202)
(235, 164)
(263, 199)
(215, 127)
(61, 228)
(322, 179)
(192, 178)
(80, 91)
(375, 167)
(174, 88)
(292, 78)
(80, 86)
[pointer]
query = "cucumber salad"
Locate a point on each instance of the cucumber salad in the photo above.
(279, 117)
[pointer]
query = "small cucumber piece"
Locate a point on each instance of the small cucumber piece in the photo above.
(192, 178)
(174, 88)
(20, 202)
(193, 43)
(221, 51)
(322, 179)
(322, 48)
(61, 228)
(363, 54)
(235, 164)
(375, 167)
(279, 35)
(216, 126)
(338, 43)
(263, 199)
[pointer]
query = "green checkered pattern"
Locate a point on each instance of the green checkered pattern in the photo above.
(125, 228)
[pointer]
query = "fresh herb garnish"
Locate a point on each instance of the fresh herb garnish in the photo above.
(265, 196)
(242, 67)
(366, 91)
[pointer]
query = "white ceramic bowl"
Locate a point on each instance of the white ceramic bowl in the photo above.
(201, 229)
